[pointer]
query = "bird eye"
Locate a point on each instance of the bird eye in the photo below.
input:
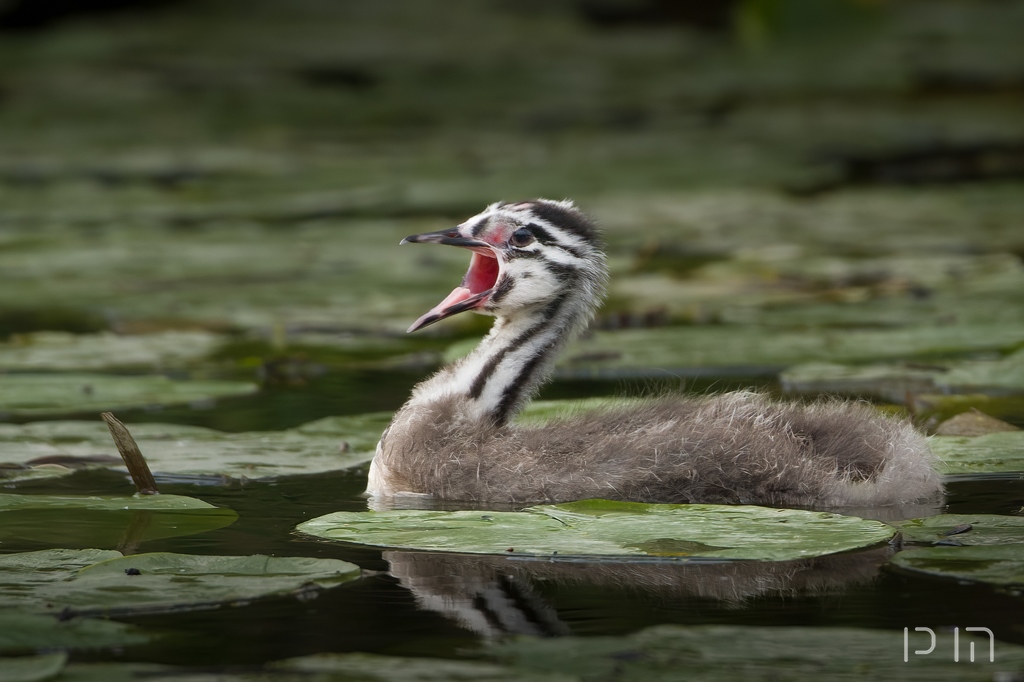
(521, 237)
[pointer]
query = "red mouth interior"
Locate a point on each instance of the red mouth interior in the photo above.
(482, 273)
(471, 294)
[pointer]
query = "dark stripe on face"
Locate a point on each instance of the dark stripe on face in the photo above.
(542, 235)
(501, 290)
(481, 379)
(547, 239)
(563, 272)
(567, 219)
(481, 226)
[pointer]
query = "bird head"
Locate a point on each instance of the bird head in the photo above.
(526, 256)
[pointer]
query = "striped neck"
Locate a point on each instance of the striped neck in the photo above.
(496, 380)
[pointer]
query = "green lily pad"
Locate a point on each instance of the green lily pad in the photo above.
(105, 522)
(63, 351)
(330, 444)
(32, 668)
(26, 631)
(994, 564)
(992, 453)
(605, 528)
(37, 395)
(107, 582)
(985, 529)
(731, 652)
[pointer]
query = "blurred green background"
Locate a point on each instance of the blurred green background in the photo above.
(216, 189)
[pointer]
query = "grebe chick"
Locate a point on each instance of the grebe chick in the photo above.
(539, 269)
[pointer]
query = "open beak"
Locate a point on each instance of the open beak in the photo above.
(477, 285)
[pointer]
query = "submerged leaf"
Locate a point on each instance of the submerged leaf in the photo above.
(26, 631)
(107, 582)
(995, 564)
(79, 521)
(965, 529)
(605, 528)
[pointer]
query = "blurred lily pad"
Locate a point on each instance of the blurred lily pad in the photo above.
(992, 453)
(105, 522)
(27, 631)
(732, 652)
(329, 444)
(995, 564)
(606, 528)
(63, 351)
(665, 350)
(107, 582)
(964, 529)
(894, 382)
(39, 395)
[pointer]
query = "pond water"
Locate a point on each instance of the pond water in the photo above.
(430, 605)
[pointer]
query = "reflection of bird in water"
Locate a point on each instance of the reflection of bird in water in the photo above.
(538, 267)
(494, 596)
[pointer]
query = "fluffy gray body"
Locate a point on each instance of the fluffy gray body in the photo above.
(454, 439)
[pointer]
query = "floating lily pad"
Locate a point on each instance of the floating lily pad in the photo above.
(995, 564)
(964, 529)
(604, 528)
(330, 444)
(727, 652)
(992, 453)
(37, 395)
(105, 522)
(32, 668)
(26, 631)
(107, 582)
(63, 351)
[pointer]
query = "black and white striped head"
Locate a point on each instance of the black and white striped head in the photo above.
(526, 256)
